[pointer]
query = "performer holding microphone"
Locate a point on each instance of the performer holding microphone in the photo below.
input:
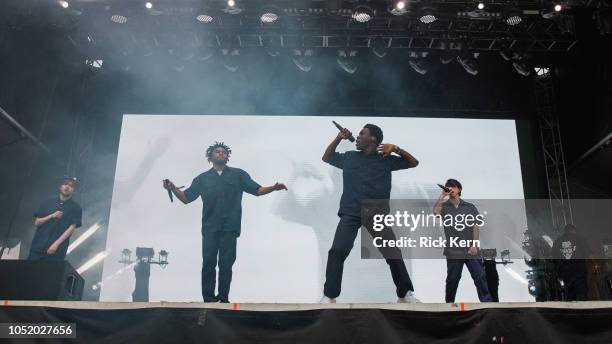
(221, 189)
(457, 256)
(366, 175)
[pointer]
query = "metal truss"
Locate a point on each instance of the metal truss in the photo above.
(554, 162)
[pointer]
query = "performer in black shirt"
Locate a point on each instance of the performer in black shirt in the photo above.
(366, 175)
(221, 189)
(456, 257)
(55, 221)
(570, 252)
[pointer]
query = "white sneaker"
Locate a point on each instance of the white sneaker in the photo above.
(409, 298)
(326, 299)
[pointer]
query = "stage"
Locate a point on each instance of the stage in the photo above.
(165, 322)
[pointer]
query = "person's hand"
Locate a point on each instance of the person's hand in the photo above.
(57, 214)
(279, 186)
(386, 148)
(168, 185)
(52, 249)
(344, 134)
(472, 251)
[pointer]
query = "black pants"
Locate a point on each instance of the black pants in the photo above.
(454, 267)
(346, 232)
(575, 289)
(222, 245)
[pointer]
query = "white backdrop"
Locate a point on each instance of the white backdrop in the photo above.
(285, 235)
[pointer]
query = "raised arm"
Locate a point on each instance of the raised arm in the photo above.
(388, 148)
(437, 209)
(344, 134)
(264, 190)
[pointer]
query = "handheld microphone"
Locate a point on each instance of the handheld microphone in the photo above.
(169, 191)
(444, 188)
(350, 138)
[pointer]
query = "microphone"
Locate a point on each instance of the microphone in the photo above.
(166, 181)
(350, 138)
(444, 188)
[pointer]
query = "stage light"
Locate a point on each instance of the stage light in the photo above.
(234, 7)
(346, 60)
(417, 62)
(542, 72)
(204, 18)
(119, 19)
(468, 62)
(513, 16)
(481, 6)
(379, 47)
(64, 4)
(269, 15)
(558, 8)
(89, 232)
(362, 14)
(148, 5)
(428, 15)
(303, 59)
(398, 7)
(93, 261)
(521, 65)
(230, 59)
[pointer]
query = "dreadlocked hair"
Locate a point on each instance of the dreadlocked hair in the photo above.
(216, 145)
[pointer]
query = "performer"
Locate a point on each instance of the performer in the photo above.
(55, 221)
(221, 189)
(570, 252)
(456, 257)
(366, 175)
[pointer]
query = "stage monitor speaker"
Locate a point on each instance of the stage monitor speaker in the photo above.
(39, 280)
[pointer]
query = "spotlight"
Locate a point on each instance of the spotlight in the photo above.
(468, 62)
(428, 15)
(362, 14)
(269, 15)
(148, 5)
(303, 59)
(558, 8)
(521, 67)
(119, 19)
(513, 17)
(230, 59)
(64, 4)
(379, 47)
(271, 46)
(481, 6)
(233, 7)
(417, 62)
(346, 60)
(204, 18)
(398, 7)
(542, 72)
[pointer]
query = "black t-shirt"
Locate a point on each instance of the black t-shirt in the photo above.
(365, 177)
(570, 251)
(221, 197)
(54, 228)
(459, 229)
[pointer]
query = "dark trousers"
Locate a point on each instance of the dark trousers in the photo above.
(454, 267)
(222, 245)
(575, 289)
(346, 232)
